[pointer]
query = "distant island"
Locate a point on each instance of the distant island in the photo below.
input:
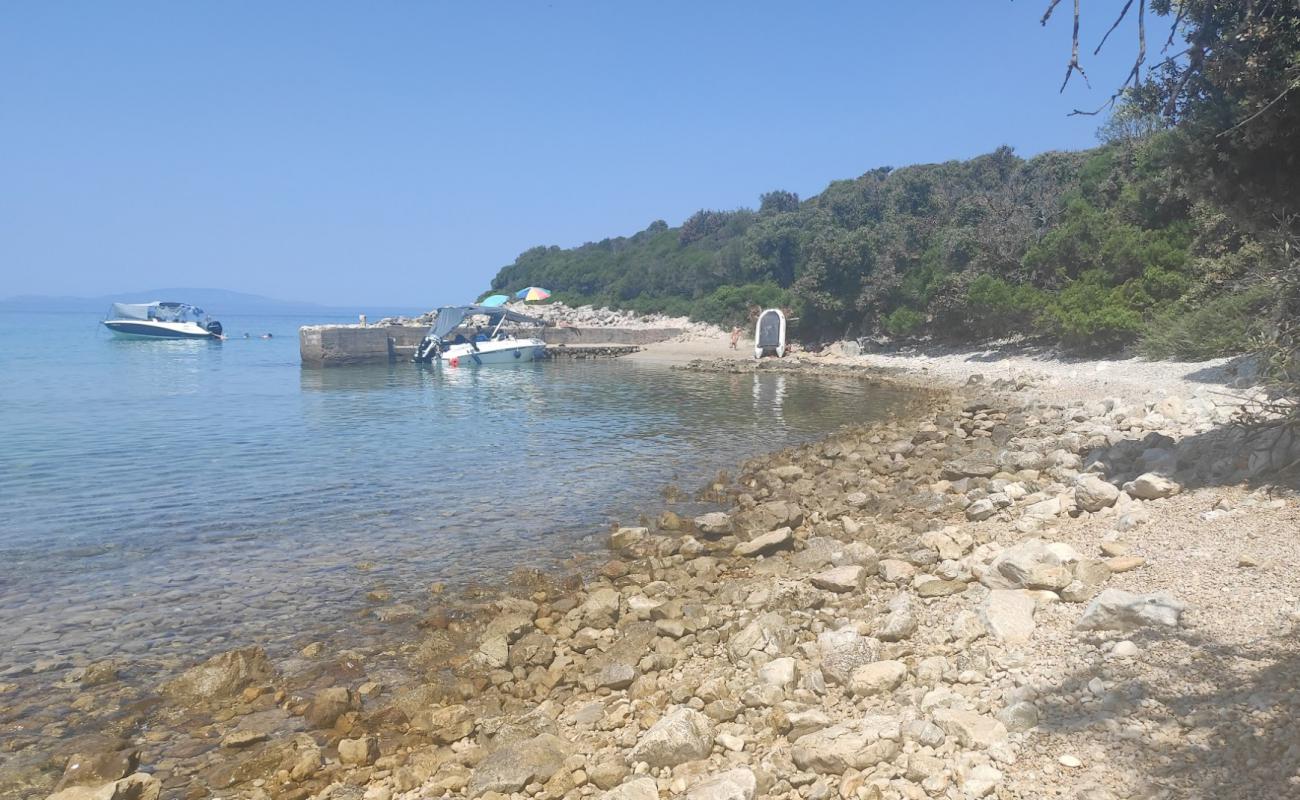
(216, 301)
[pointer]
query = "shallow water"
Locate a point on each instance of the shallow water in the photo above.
(169, 498)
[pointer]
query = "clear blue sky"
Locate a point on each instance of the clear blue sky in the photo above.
(399, 153)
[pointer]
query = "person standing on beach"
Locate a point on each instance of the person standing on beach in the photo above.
(735, 336)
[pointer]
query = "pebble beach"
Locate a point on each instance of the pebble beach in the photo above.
(1042, 579)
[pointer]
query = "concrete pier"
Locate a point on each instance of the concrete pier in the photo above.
(345, 345)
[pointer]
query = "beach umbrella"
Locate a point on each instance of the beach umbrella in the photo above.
(495, 300)
(532, 293)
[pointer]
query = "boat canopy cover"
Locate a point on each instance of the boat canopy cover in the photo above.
(157, 310)
(450, 318)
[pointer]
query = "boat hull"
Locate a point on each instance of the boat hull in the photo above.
(140, 329)
(515, 351)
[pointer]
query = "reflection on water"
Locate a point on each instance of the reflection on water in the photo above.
(175, 496)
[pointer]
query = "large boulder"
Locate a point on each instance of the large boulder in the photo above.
(512, 767)
(849, 745)
(843, 651)
(1150, 486)
(1031, 564)
(1117, 610)
(328, 705)
(841, 580)
(713, 524)
(221, 678)
(1092, 494)
(680, 736)
(96, 769)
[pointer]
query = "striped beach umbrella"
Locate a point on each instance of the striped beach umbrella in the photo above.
(532, 293)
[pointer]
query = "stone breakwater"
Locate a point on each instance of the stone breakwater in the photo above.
(991, 597)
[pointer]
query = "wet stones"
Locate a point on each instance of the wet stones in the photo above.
(328, 705)
(138, 786)
(714, 525)
(359, 752)
(446, 725)
(221, 678)
(98, 768)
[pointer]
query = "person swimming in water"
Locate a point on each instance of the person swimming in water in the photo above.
(265, 336)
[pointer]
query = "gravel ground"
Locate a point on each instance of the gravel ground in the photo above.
(1057, 378)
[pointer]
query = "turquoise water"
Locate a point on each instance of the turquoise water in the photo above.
(178, 497)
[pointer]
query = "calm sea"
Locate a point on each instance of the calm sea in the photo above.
(181, 497)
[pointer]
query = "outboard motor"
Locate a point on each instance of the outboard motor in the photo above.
(427, 350)
(214, 328)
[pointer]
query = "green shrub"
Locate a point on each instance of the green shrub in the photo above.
(1089, 317)
(904, 321)
(997, 308)
(1224, 325)
(730, 305)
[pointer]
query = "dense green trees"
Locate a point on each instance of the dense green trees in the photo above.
(1079, 247)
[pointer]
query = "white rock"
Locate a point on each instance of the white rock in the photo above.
(1008, 615)
(783, 673)
(1091, 493)
(879, 677)
(641, 788)
(972, 730)
(850, 745)
(840, 579)
(736, 784)
(843, 651)
(1150, 486)
(680, 736)
(1115, 609)
(779, 539)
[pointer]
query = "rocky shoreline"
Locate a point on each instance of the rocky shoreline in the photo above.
(990, 596)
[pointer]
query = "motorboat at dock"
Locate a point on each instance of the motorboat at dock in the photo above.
(473, 347)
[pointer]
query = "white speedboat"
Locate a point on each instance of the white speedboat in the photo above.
(161, 320)
(452, 343)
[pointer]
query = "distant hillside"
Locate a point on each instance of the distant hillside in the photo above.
(215, 301)
(1090, 249)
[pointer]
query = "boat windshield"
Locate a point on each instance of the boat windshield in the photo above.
(159, 312)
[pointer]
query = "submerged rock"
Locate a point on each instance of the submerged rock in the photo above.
(221, 678)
